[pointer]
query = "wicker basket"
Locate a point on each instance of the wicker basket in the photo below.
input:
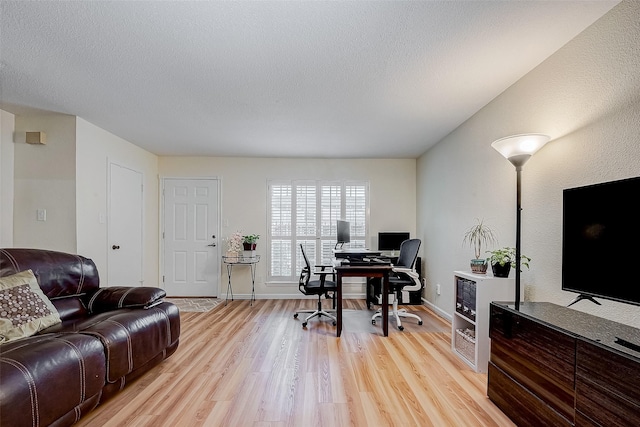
(465, 345)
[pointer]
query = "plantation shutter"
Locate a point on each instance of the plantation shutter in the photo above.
(281, 227)
(306, 224)
(356, 214)
(330, 206)
(305, 212)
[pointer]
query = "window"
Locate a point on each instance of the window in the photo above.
(305, 212)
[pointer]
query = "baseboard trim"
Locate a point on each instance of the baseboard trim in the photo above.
(437, 310)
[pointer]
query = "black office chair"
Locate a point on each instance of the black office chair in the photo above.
(403, 277)
(319, 287)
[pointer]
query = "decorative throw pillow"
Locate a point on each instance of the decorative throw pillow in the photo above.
(24, 308)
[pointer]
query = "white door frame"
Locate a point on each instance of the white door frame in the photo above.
(217, 252)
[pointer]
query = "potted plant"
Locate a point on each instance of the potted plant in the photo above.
(477, 236)
(249, 242)
(501, 260)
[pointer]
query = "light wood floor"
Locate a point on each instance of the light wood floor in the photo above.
(256, 366)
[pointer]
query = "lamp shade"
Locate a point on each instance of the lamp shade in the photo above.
(518, 148)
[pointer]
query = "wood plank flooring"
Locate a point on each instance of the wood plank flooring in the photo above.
(256, 366)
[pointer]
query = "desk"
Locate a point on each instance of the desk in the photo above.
(373, 270)
(251, 261)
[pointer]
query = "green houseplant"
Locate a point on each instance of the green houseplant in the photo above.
(249, 242)
(476, 237)
(501, 260)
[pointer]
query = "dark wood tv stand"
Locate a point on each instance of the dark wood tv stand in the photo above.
(551, 365)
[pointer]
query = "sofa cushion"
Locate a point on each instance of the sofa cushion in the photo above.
(59, 274)
(48, 377)
(131, 336)
(114, 297)
(24, 309)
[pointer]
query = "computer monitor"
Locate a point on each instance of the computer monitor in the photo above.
(344, 232)
(391, 240)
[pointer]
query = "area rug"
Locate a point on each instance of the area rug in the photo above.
(198, 305)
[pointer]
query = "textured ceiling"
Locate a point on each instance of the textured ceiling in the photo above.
(277, 79)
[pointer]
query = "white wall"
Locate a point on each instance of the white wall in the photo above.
(7, 127)
(45, 179)
(95, 149)
(244, 197)
(587, 98)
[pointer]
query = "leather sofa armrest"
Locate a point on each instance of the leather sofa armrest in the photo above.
(115, 297)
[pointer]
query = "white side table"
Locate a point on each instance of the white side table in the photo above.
(251, 261)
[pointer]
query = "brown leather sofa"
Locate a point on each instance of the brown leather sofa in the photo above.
(108, 337)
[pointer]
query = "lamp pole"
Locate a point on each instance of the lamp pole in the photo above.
(518, 231)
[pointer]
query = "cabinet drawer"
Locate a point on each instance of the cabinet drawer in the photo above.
(532, 374)
(519, 404)
(607, 386)
(538, 347)
(539, 358)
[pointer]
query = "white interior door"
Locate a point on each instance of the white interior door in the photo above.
(124, 260)
(191, 252)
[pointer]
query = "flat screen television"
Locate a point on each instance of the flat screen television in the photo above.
(343, 232)
(391, 240)
(600, 237)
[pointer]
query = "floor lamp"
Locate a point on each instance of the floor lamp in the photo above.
(518, 149)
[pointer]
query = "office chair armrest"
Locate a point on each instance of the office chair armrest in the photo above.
(405, 270)
(410, 274)
(322, 270)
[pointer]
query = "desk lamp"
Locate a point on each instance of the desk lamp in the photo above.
(518, 149)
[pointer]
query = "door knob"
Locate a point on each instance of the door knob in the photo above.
(213, 245)
(114, 247)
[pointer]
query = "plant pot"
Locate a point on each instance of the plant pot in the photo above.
(501, 270)
(249, 246)
(479, 266)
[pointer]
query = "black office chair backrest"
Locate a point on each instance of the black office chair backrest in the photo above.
(320, 285)
(304, 254)
(408, 253)
(305, 274)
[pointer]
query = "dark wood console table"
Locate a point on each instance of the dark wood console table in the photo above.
(551, 365)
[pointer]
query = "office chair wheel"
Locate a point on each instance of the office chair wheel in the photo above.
(295, 316)
(334, 323)
(373, 322)
(304, 324)
(420, 322)
(401, 327)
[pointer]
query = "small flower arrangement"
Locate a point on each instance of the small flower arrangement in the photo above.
(234, 242)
